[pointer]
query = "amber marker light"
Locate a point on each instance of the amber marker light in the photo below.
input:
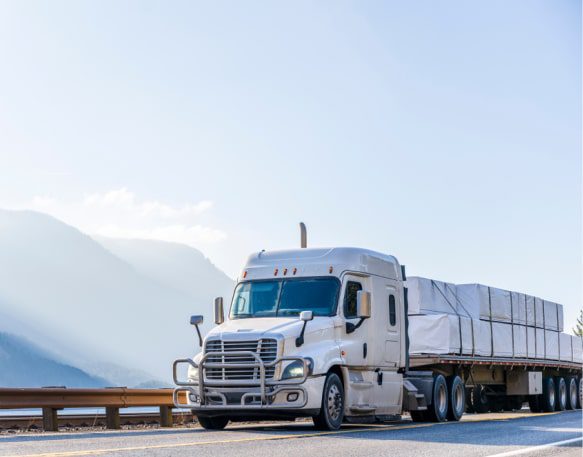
(244, 274)
(331, 269)
(295, 270)
(275, 272)
(284, 271)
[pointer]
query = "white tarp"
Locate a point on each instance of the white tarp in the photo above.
(485, 302)
(518, 308)
(530, 342)
(502, 339)
(577, 343)
(565, 348)
(550, 315)
(551, 345)
(519, 338)
(530, 310)
(430, 296)
(538, 313)
(440, 334)
(483, 338)
(539, 343)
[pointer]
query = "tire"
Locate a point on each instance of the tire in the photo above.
(549, 397)
(469, 407)
(457, 398)
(437, 411)
(572, 393)
(480, 401)
(535, 403)
(561, 398)
(418, 416)
(213, 423)
(332, 410)
(580, 393)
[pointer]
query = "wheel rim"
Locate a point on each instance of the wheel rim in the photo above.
(334, 402)
(458, 397)
(573, 393)
(441, 399)
(552, 396)
(562, 394)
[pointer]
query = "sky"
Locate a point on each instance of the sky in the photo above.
(445, 133)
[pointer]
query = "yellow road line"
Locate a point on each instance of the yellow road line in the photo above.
(376, 428)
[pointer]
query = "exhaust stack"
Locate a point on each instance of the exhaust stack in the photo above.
(303, 236)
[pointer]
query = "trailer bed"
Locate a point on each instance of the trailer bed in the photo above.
(426, 360)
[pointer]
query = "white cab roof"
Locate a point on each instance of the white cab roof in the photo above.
(319, 262)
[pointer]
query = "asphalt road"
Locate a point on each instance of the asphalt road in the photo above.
(500, 435)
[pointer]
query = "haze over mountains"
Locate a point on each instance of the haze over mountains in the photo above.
(115, 309)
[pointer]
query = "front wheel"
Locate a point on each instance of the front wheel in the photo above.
(332, 410)
(437, 411)
(213, 423)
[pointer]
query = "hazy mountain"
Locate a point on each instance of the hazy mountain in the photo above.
(26, 365)
(103, 311)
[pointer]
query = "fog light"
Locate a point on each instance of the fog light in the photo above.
(291, 397)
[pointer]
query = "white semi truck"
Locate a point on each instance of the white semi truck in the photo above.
(323, 333)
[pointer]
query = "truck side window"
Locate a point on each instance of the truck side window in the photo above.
(392, 311)
(352, 287)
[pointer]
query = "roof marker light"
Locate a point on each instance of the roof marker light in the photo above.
(244, 274)
(295, 270)
(284, 271)
(275, 272)
(331, 269)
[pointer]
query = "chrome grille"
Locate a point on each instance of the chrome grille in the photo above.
(266, 348)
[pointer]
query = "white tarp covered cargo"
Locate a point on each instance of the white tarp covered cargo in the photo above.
(550, 315)
(502, 339)
(530, 342)
(551, 345)
(530, 314)
(538, 313)
(440, 334)
(487, 302)
(519, 341)
(540, 343)
(484, 339)
(577, 344)
(518, 308)
(430, 296)
(565, 347)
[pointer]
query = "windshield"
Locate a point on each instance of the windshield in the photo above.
(285, 297)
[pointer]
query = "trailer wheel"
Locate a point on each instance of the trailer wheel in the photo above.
(580, 393)
(561, 396)
(213, 423)
(437, 411)
(572, 393)
(480, 401)
(332, 410)
(534, 403)
(549, 398)
(457, 398)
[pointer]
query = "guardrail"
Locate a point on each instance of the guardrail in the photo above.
(52, 399)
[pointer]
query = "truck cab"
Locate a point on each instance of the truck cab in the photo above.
(317, 332)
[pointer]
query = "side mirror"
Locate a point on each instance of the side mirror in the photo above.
(363, 304)
(219, 311)
(306, 316)
(196, 321)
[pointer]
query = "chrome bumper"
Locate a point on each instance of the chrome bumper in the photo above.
(212, 394)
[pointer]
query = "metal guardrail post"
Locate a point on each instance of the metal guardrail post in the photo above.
(50, 421)
(166, 416)
(112, 419)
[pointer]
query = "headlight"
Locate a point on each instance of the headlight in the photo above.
(296, 369)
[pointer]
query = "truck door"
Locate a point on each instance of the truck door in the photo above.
(354, 346)
(393, 352)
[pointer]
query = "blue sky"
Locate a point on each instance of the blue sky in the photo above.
(447, 133)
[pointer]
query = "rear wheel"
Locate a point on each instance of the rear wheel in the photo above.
(332, 410)
(561, 395)
(549, 397)
(480, 401)
(457, 398)
(580, 393)
(437, 411)
(213, 423)
(571, 393)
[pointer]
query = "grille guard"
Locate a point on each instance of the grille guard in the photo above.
(189, 387)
